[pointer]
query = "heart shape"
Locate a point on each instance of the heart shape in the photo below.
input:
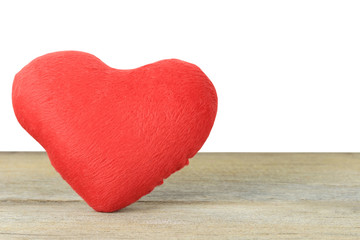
(112, 134)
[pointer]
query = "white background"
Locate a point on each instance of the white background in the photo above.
(286, 72)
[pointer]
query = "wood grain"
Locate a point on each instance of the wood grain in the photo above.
(218, 196)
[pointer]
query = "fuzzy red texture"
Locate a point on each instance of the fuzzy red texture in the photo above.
(112, 134)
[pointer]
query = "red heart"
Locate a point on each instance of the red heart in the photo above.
(114, 135)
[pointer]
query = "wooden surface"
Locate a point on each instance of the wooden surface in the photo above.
(218, 196)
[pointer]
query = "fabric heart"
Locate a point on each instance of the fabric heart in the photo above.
(112, 134)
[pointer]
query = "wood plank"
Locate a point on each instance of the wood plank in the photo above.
(219, 195)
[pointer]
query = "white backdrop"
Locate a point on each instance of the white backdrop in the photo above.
(286, 72)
